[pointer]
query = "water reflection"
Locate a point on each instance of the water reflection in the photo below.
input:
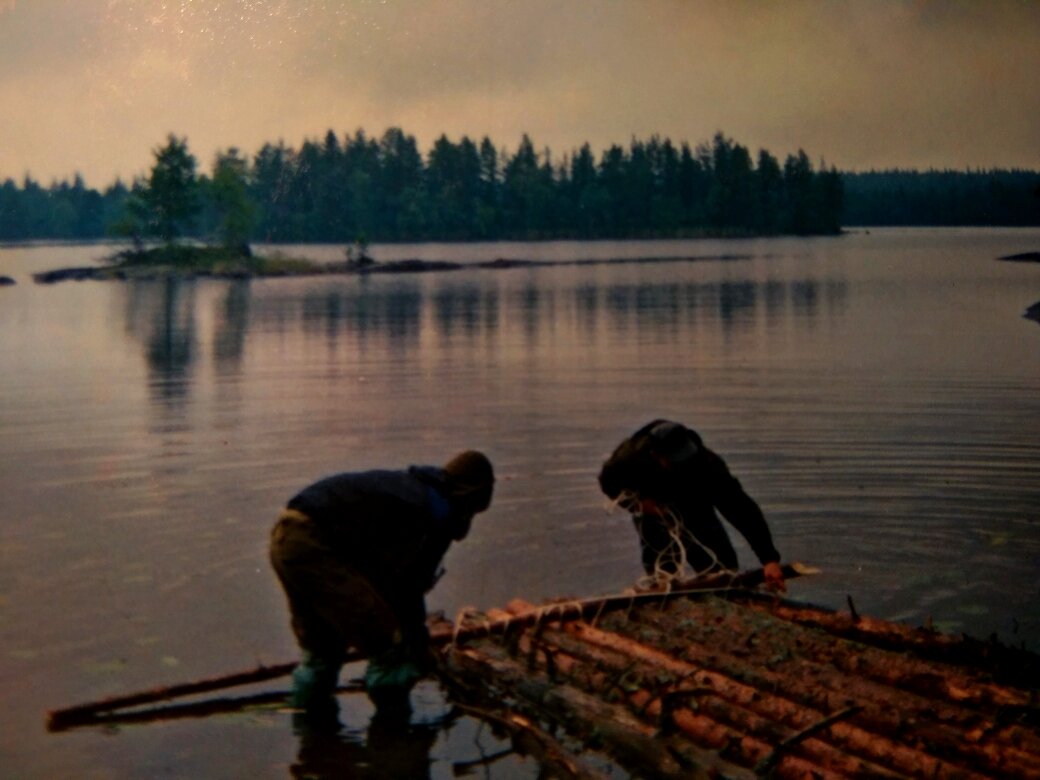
(466, 308)
(400, 312)
(229, 338)
(388, 749)
(394, 312)
(161, 315)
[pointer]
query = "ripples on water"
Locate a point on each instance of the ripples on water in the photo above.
(876, 394)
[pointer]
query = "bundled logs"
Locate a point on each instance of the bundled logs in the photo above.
(738, 686)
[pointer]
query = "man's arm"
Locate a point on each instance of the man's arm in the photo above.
(746, 516)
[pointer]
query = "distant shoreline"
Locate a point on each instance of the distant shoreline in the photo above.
(280, 267)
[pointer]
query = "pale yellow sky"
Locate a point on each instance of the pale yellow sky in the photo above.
(92, 86)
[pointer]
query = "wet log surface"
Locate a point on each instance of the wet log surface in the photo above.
(743, 685)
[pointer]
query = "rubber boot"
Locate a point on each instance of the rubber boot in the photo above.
(314, 682)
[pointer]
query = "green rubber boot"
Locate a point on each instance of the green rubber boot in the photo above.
(314, 682)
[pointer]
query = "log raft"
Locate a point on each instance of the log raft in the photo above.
(709, 678)
(741, 684)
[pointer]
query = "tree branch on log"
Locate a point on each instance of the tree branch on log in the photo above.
(767, 764)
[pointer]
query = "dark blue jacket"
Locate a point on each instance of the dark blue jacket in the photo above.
(392, 526)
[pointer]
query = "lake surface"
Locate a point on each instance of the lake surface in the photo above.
(877, 393)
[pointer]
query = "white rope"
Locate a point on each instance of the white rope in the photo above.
(680, 536)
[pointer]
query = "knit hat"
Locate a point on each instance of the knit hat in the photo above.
(468, 472)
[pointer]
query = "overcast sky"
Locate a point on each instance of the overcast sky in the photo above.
(93, 86)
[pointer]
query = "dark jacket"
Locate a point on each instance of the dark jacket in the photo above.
(668, 463)
(394, 527)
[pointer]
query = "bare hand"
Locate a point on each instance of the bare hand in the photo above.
(774, 577)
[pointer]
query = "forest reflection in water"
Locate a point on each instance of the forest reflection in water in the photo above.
(163, 315)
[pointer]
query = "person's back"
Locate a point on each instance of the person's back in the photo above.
(355, 554)
(673, 484)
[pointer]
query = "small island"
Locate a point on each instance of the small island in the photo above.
(1023, 257)
(1033, 312)
(218, 262)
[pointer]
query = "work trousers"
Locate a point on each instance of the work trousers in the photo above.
(333, 606)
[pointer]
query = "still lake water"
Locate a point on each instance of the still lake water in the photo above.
(877, 393)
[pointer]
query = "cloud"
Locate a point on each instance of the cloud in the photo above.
(95, 85)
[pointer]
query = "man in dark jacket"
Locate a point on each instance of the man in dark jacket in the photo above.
(355, 554)
(672, 484)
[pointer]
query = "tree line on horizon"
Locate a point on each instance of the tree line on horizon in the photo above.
(359, 188)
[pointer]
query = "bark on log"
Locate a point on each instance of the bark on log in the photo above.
(1008, 665)
(886, 708)
(631, 742)
(849, 737)
(903, 671)
(724, 723)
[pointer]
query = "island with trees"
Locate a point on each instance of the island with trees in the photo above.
(357, 189)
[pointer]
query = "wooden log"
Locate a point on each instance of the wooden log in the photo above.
(1008, 665)
(903, 671)
(724, 722)
(849, 737)
(522, 613)
(441, 633)
(830, 667)
(632, 743)
(197, 709)
(83, 714)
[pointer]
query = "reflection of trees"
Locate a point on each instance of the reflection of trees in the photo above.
(537, 309)
(232, 322)
(465, 308)
(161, 315)
(736, 299)
(396, 313)
(734, 304)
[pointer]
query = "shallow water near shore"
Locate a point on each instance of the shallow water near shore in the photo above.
(877, 393)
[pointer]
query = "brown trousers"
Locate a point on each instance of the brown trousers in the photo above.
(333, 606)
